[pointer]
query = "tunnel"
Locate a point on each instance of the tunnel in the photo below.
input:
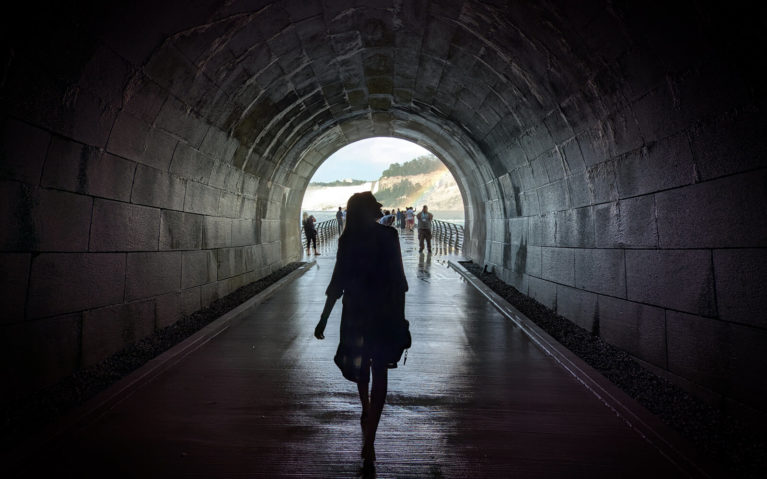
(611, 157)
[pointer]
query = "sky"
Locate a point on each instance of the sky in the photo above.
(367, 159)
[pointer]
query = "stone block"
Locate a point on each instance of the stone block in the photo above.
(120, 226)
(146, 100)
(159, 150)
(715, 214)
(578, 189)
(22, 149)
(594, 147)
(128, 137)
(677, 279)
(111, 329)
(571, 157)
(558, 265)
(197, 267)
(201, 199)
(245, 232)
(226, 177)
(190, 300)
(230, 204)
(271, 230)
(211, 292)
(109, 176)
(254, 258)
(231, 262)
(656, 114)
(36, 354)
(540, 175)
(168, 309)
(729, 145)
(741, 286)
(175, 118)
(545, 292)
(601, 271)
(746, 370)
(543, 230)
(62, 221)
(153, 187)
(250, 185)
(575, 228)
(533, 262)
(553, 197)
(659, 166)
(603, 182)
(578, 306)
(218, 145)
(272, 253)
(636, 328)
(554, 165)
(699, 349)
(528, 202)
(627, 223)
(67, 282)
(180, 231)
(190, 164)
(217, 232)
(17, 204)
(13, 285)
(152, 274)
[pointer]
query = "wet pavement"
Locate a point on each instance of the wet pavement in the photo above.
(264, 399)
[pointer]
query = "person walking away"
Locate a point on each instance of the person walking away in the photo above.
(409, 218)
(369, 275)
(400, 216)
(311, 234)
(340, 220)
(424, 228)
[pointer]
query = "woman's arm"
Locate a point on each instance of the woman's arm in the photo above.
(319, 330)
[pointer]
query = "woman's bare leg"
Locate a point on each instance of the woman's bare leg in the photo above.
(377, 400)
(365, 400)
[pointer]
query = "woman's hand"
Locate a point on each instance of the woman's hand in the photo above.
(319, 330)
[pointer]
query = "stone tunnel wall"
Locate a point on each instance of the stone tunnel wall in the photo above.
(611, 159)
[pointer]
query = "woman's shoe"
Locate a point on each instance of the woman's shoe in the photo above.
(316, 253)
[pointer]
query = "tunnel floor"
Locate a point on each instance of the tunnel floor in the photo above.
(264, 399)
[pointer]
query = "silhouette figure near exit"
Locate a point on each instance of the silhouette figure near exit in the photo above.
(369, 275)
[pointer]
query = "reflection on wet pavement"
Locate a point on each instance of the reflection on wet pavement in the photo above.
(264, 399)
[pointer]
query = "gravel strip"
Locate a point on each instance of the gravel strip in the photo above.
(741, 450)
(25, 418)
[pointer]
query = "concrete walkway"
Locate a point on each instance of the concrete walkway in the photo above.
(477, 398)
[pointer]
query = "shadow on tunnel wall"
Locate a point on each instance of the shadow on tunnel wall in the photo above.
(611, 157)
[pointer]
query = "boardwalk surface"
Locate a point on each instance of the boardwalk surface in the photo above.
(264, 399)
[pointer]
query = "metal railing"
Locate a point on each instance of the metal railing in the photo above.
(448, 234)
(326, 231)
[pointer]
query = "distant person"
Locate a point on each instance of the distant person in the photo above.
(424, 228)
(387, 219)
(373, 327)
(400, 218)
(409, 218)
(311, 234)
(340, 220)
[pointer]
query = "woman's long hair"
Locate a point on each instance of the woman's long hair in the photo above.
(362, 210)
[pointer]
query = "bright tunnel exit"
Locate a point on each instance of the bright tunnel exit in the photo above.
(398, 172)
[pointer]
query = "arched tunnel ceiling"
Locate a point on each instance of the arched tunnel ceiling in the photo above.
(272, 76)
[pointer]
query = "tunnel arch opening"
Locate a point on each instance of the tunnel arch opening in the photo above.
(371, 164)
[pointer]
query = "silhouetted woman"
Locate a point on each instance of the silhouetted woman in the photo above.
(373, 288)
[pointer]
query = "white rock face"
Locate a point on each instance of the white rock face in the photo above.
(318, 198)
